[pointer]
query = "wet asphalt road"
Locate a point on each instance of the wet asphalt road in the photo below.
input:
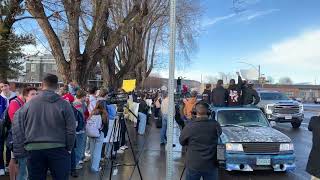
(152, 157)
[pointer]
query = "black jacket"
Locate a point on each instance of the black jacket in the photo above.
(143, 107)
(219, 97)
(234, 93)
(249, 96)
(207, 93)
(313, 166)
(201, 138)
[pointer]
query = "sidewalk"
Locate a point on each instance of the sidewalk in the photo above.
(152, 159)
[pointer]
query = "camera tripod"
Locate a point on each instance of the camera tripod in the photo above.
(115, 136)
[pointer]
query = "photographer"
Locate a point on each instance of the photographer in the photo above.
(143, 111)
(201, 138)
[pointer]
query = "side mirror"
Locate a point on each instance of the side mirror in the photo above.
(273, 123)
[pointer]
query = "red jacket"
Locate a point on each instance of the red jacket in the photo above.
(68, 97)
(14, 106)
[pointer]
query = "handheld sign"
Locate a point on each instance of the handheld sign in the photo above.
(129, 85)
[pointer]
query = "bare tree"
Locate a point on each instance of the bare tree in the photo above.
(285, 81)
(136, 56)
(211, 79)
(88, 43)
(270, 80)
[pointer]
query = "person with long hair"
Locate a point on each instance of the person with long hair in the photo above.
(96, 129)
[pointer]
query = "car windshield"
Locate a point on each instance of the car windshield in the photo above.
(273, 96)
(245, 118)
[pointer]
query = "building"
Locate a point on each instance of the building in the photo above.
(38, 66)
(304, 92)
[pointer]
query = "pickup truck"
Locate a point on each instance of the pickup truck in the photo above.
(279, 108)
(248, 142)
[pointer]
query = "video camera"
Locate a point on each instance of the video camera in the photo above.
(120, 99)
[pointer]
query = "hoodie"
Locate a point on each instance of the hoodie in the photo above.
(234, 93)
(48, 122)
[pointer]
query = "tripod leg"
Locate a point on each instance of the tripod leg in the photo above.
(112, 136)
(133, 154)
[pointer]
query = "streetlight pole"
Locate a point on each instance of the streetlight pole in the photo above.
(169, 148)
(259, 69)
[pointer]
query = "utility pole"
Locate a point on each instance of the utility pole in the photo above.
(169, 148)
(259, 69)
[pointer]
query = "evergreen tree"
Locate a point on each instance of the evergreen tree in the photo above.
(11, 54)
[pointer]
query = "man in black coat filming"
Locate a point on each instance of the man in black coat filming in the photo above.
(200, 136)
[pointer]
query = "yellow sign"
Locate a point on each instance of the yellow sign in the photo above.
(129, 85)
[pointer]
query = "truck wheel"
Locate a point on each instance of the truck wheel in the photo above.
(296, 125)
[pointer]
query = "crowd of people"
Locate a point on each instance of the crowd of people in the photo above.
(55, 130)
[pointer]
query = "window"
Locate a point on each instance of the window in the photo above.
(241, 118)
(312, 94)
(54, 67)
(302, 94)
(33, 68)
(290, 94)
(273, 96)
(44, 68)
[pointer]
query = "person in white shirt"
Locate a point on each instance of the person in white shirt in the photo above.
(92, 98)
(164, 112)
(5, 91)
(6, 95)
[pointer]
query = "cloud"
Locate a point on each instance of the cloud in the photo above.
(216, 20)
(297, 57)
(241, 16)
(260, 14)
(301, 50)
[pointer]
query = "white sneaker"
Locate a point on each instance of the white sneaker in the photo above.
(81, 162)
(124, 147)
(2, 172)
(87, 154)
(120, 151)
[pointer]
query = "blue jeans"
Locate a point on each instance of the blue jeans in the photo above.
(196, 175)
(108, 150)
(163, 131)
(57, 160)
(95, 150)
(142, 123)
(80, 147)
(23, 171)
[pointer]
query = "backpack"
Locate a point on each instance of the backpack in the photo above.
(111, 110)
(79, 118)
(5, 123)
(92, 126)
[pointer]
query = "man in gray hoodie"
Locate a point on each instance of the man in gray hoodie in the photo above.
(49, 128)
